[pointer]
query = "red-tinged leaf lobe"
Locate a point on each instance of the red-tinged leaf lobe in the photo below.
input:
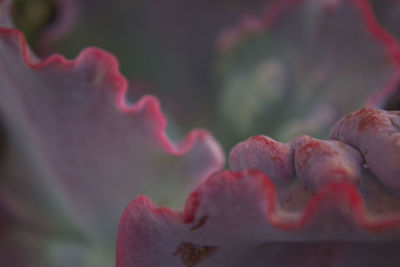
(375, 133)
(364, 154)
(318, 162)
(247, 227)
(265, 154)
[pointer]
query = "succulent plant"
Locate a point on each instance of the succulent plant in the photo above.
(83, 149)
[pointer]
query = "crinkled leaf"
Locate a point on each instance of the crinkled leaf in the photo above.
(365, 154)
(233, 219)
(376, 134)
(308, 203)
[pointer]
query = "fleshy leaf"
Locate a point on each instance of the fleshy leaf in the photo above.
(300, 69)
(233, 219)
(309, 159)
(365, 154)
(376, 134)
(307, 203)
(85, 141)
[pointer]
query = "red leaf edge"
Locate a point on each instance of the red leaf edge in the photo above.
(343, 192)
(119, 84)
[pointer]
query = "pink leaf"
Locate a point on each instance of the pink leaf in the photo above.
(309, 159)
(71, 119)
(234, 219)
(376, 134)
(366, 155)
(322, 206)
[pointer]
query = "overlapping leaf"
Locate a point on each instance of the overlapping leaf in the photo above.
(77, 144)
(308, 63)
(233, 219)
(83, 145)
(317, 201)
(301, 167)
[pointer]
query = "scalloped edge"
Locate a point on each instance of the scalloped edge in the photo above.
(120, 85)
(346, 193)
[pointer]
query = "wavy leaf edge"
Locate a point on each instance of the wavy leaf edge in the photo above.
(120, 86)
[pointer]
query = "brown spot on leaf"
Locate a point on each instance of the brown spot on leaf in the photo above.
(290, 199)
(191, 254)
